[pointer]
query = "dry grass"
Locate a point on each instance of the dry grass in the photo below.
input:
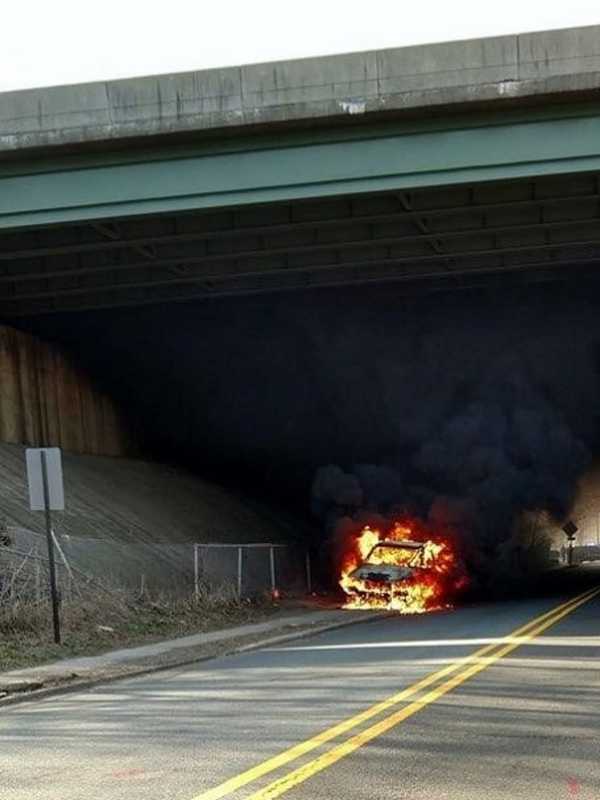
(96, 618)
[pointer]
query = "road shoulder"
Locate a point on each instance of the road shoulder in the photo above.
(72, 674)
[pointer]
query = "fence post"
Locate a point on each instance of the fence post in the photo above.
(38, 593)
(272, 565)
(196, 573)
(239, 572)
(308, 575)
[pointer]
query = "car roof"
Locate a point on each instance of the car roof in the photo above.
(401, 543)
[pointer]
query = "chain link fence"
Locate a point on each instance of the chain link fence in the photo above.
(154, 567)
(261, 565)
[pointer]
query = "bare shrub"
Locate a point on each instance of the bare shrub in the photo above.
(96, 616)
(522, 558)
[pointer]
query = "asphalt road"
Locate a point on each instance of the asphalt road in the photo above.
(526, 724)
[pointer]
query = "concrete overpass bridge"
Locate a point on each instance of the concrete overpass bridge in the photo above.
(430, 166)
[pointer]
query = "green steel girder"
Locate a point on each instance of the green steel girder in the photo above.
(173, 181)
(153, 275)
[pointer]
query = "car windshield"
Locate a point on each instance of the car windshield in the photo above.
(399, 555)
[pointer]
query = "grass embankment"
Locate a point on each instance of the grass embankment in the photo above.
(106, 619)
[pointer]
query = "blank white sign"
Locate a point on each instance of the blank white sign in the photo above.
(56, 492)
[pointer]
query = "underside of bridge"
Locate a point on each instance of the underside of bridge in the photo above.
(260, 268)
(532, 229)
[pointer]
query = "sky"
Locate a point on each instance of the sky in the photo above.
(52, 42)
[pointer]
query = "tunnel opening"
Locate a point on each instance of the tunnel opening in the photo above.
(437, 359)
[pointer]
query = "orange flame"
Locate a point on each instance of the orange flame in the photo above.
(434, 580)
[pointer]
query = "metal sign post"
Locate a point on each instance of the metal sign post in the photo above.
(46, 493)
(570, 530)
(49, 537)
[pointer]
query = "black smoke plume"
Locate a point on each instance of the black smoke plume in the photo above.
(502, 448)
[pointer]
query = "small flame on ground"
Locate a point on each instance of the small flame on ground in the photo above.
(431, 586)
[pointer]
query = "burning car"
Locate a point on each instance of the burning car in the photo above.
(389, 564)
(398, 571)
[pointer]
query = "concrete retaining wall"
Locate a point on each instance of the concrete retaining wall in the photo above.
(46, 400)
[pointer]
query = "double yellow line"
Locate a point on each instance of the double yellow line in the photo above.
(460, 671)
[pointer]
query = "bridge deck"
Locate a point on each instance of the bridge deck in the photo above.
(364, 193)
